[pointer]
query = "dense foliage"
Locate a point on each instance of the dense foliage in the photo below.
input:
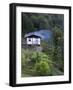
(37, 63)
(34, 21)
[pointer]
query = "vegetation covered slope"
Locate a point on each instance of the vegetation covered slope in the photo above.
(50, 61)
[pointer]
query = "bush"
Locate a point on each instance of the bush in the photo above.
(33, 57)
(42, 68)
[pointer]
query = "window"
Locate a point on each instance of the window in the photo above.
(29, 39)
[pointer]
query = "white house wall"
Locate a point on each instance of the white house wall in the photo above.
(29, 42)
(33, 41)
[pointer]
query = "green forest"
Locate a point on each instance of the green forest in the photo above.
(50, 60)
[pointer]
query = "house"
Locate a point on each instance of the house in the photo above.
(33, 39)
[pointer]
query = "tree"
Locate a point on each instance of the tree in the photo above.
(58, 54)
(27, 24)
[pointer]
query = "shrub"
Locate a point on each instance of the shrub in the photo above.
(33, 57)
(43, 68)
(43, 65)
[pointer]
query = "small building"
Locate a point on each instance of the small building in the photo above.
(33, 39)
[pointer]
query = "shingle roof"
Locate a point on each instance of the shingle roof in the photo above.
(44, 34)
